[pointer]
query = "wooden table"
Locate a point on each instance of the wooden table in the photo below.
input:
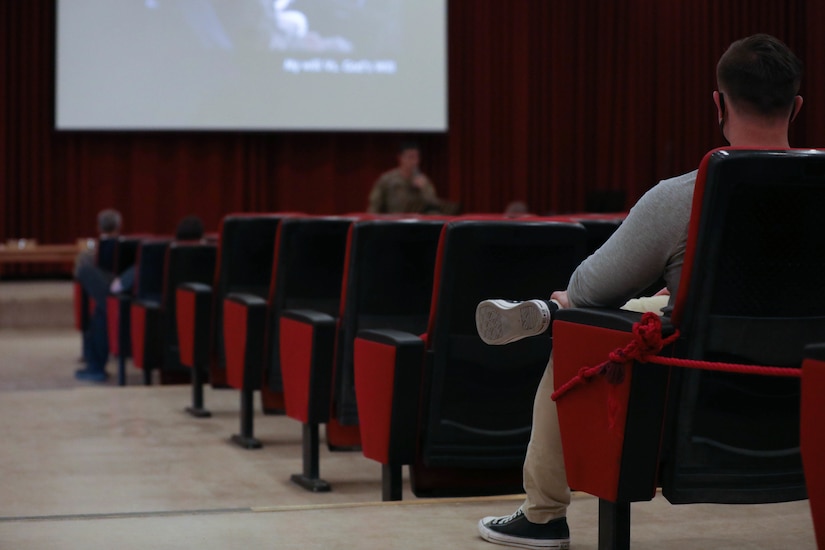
(39, 254)
(54, 258)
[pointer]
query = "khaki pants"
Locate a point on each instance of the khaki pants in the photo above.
(545, 479)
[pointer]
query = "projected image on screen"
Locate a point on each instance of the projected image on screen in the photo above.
(252, 64)
(291, 30)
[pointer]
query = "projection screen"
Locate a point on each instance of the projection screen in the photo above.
(348, 65)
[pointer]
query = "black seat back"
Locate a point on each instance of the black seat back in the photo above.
(598, 231)
(388, 284)
(751, 292)
(125, 253)
(186, 262)
(149, 271)
(308, 273)
(247, 245)
(478, 398)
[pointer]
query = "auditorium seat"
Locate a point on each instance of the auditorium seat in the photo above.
(457, 411)
(154, 331)
(387, 283)
(750, 295)
(118, 305)
(244, 265)
(307, 273)
(147, 291)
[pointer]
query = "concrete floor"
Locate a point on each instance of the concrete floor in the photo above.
(99, 466)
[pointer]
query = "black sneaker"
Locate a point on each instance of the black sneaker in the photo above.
(91, 375)
(503, 321)
(517, 530)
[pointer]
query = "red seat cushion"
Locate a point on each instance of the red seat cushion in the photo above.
(296, 364)
(138, 329)
(812, 442)
(185, 313)
(234, 338)
(374, 380)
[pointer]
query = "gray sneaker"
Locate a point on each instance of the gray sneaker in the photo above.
(517, 530)
(503, 321)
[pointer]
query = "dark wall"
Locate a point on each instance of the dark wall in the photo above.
(548, 101)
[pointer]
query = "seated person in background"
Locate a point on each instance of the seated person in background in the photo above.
(404, 189)
(99, 284)
(516, 209)
(189, 228)
(758, 79)
(96, 282)
(108, 225)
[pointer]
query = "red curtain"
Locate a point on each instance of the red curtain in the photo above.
(548, 101)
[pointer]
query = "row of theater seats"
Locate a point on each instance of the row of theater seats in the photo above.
(141, 321)
(289, 302)
(365, 324)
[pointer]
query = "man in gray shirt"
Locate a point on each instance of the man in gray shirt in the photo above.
(758, 79)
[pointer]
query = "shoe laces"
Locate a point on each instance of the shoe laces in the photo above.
(503, 520)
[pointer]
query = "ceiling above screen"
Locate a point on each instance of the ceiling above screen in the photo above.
(337, 65)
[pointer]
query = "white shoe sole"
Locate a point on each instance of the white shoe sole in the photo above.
(519, 542)
(500, 322)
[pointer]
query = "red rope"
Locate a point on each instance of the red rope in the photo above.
(728, 367)
(646, 344)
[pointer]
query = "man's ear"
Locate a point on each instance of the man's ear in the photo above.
(719, 101)
(797, 106)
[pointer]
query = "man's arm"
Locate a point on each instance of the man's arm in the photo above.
(125, 282)
(646, 246)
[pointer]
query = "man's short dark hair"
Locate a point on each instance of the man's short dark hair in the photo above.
(109, 221)
(189, 228)
(408, 145)
(760, 74)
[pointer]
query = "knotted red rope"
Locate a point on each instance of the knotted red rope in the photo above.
(646, 344)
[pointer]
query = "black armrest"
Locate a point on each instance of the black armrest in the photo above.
(197, 288)
(308, 316)
(609, 318)
(249, 300)
(391, 337)
(815, 351)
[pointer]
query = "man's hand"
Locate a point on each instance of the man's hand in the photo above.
(419, 181)
(116, 287)
(561, 297)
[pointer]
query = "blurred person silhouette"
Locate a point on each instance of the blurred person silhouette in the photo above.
(404, 189)
(516, 209)
(96, 281)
